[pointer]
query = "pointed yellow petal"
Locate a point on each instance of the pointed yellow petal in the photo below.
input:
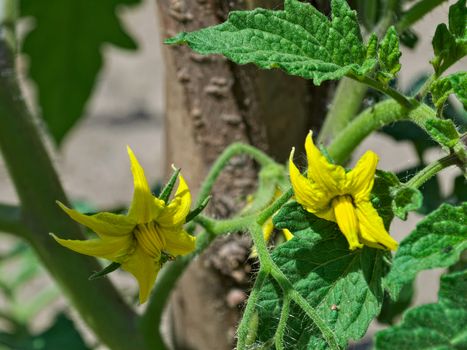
(177, 242)
(145, 270)
(175, 213)
(104, 224)
(143, 207)
(328, 176)
(287, 234)
(268, 228)
(309, 195)
(372, 227)
(361, 178)
(347, 220)
(112, 248)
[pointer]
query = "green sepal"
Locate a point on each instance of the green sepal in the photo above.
(432, 326)
(299, 40)
(442, 131)
(168, 188)
(105, 271)
(389, 55)
(437, 241)
(195, 212)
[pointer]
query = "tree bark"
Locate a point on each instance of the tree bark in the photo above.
(211, 103)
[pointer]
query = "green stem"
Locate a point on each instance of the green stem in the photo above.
(244, 327)
(372, 119)
(38, 187)
(425, 87)
(345, 105)
(279, 335)
(269, 211)
(416, 12)
(431, 170)
(231, 151)
(10, 220)
(396, 95)
(218, 227)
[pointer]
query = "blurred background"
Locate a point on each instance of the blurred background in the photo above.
(128, 107)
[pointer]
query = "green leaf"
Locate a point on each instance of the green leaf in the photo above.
(437, 241)
(299, 40)
(65, 54)
(389, 54)
(457, 19)
(442, 131)
(405, 199)
(343, 286)
(450, 44)
(452, 84)
(439, 326)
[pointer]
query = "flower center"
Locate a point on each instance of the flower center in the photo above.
(346, 218)
(150, 239)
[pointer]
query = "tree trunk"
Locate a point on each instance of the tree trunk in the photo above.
(211, 103)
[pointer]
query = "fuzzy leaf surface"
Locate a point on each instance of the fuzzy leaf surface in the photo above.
(439, 326)
(437, 241)
(343, 286)
(299, 40)
(389, 54)
(65, 54)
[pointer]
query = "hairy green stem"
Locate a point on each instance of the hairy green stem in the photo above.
(396, 95)
(218, 227)
(244, 326)
(279, 335)
(38, 187)
(416, 12)
(269, 211)
(231, 151)
(345, 105)
(431, 170)
(372, 119)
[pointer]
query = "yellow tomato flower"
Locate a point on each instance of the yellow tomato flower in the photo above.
(138, 240)
(333, 194)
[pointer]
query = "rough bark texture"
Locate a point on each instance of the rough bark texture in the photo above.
(211, 103)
